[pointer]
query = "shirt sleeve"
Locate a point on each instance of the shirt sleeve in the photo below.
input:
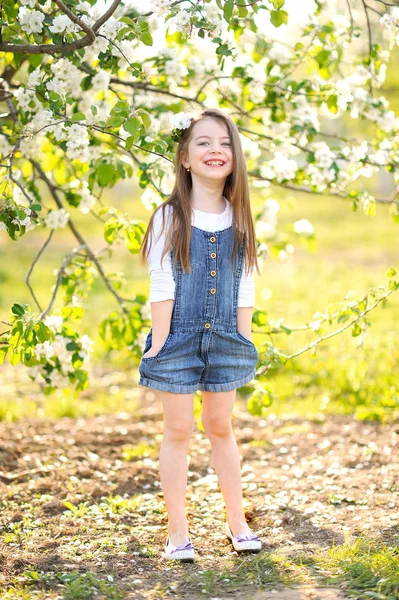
(162, 283)
(246, 291)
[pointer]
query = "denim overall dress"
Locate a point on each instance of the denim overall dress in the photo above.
(203, 350)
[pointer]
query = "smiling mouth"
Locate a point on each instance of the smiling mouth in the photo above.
(214, 163)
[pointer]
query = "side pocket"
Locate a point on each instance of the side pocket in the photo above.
(244, 339)
(160, 351)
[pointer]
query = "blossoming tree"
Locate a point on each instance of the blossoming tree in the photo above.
(89, 99)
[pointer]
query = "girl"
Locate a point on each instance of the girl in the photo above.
(202, 297)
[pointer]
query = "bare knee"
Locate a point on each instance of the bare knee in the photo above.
(217, 428)
(180, 432)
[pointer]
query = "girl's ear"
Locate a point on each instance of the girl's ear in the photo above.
(183, 158)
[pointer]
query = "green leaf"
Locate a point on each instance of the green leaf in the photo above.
(356, 330)
(132, 126)
(16, 334)
(43, 333)
(129, 142)
(278, 17)
(145, 117)
(3, 353)
(391, 272)
(133, 239)
(144, 34)
(72, 346)
(105, 174)
(79, 116)
(18, 309)
(116, 121)
(323, 57)
(278, 4)
(332, 103)
(93, 109)
(228, 10)
(36, 207)
(110, 228)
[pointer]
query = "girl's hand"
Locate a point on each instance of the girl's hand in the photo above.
(153, 351)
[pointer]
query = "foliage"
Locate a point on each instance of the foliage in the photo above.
(89, 101)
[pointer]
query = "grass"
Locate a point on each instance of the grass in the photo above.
(352, 253)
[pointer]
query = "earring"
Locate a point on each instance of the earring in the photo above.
(188, 169)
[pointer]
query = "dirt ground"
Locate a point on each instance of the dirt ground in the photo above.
(306, 485)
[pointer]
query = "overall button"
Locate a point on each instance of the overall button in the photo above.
(212, 239)
(213, 273)
(207, 325)
(213, 291)
(213, 255)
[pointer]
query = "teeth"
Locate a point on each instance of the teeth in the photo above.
(210, 162)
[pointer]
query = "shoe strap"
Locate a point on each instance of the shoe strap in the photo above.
(187, 546)
(247, 538)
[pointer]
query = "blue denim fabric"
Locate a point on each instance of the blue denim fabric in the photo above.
(203, 350)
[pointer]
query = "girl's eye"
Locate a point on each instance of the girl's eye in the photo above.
(227, 143)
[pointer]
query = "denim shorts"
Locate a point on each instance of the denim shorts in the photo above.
(195, 360)
(203, 350)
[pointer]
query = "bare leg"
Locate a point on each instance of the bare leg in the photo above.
(217, 408)
(178, 428)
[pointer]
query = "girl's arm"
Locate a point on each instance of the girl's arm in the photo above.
(244, 321)
(161, 314)
(162, 286)
(246, 302)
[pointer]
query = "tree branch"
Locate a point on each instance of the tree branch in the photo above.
(65, 262)
(63, 48)
(79, 237)
(90, 33)
(338, 331)
(32, 266)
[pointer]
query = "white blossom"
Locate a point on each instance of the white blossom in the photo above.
(100, 81)
(145, 311)
(30, 21)
(87, 343)
(181, 120)
(280, 167)
(280, 54)
(36, 373)
(57, 219)
(77, 143)
(58, 380)
(111, 28)
(63, 24)
(5, 146)
(150, 197)
(84, 6)
(323, 155)
(45, 349)
(161, 7)
(179, 23)
(303, 226)
(54, 322)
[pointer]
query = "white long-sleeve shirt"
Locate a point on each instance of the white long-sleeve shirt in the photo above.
(162, 283)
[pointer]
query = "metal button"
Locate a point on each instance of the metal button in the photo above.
(207, 325)
(213, 291)
(213, 255)
(213, 273)
(212, 239)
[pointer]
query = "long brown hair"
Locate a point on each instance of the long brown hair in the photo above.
(236, 190)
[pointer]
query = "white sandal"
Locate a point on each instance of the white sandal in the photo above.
(242, 543)
(184, 552)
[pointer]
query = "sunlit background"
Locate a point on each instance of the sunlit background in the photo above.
(351, 252)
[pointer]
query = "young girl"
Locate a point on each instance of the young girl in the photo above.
(202, 297)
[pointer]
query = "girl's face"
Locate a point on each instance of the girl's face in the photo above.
(210, 142)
